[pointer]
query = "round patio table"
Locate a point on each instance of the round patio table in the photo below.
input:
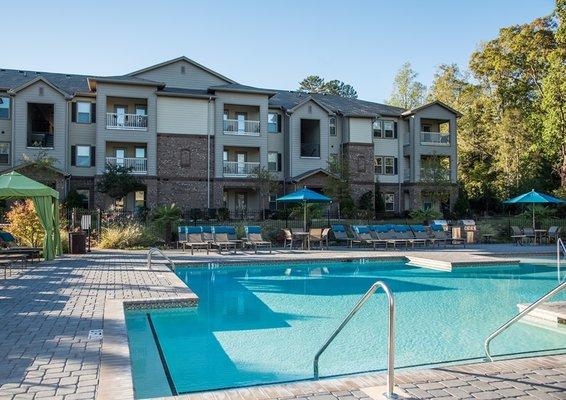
(539, 233)
(302, 236)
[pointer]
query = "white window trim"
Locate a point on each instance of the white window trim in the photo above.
(79, 103)
(77, 156)
(276, 161)
(9, 107)
(392, 202)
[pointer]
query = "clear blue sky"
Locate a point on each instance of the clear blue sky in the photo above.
(271, 44)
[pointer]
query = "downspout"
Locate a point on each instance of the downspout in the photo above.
(208, 154)
(401, 159)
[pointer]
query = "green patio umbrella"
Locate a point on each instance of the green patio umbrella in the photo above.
(46, 201)
(533, 198)
(304, 196)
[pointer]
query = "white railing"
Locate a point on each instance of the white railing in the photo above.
(437, 138)
(241, 127)
(128, 122)
(434, 175)
(137, 164)
(237, 168)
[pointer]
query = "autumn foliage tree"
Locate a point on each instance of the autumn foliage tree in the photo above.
(24, 224)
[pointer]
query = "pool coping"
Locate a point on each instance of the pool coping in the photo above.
(115, 381)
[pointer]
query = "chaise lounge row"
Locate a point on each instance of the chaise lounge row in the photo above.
(220, 237)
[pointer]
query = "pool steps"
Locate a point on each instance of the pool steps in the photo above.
(549, 315)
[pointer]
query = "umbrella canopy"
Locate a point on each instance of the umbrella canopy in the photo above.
(533, 198)
(46, 201)
(304, 196)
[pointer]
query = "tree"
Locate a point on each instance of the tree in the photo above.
(24, 224)
(407, 91)
(266, 185)
(74, 200)
(337, 186)
(166, 217)
(316, 84)
(117, 181)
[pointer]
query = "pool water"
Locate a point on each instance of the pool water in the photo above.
(262, 324)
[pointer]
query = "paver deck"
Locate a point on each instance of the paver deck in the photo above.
(46, 313)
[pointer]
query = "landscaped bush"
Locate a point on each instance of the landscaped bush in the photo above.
(128, 236)
(24, 224)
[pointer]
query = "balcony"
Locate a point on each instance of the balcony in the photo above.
(435, 138)
(126, 122)
(244, 127)
(310, 150)
(238, 169)
(435, 175)
(137, 165)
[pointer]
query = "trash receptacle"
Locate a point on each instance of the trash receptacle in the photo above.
(77, 242)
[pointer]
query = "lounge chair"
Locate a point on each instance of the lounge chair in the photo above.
(254, 238)
(207, 233)
(182, 230)
(340, 235)
(194, 240)
(8, 243)
(420, 232)
(362, 234)
(403, 232)
(222, 242)
(289, 239)
(379, 233)
(230, 231)
(388, 233)
(517, 235)
(438, 234)
(441, 234)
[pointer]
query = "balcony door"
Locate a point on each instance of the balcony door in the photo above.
(140, 159)
(241, 118)
(120, 157)
(121, 112)
(241, 159)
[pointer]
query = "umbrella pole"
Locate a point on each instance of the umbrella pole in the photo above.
(305, 216)
(533, 206)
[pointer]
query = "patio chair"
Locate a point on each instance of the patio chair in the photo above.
(438, 234)
(221, 241)
(517, 235)
(393, 237)
(317, 235)
(379, 233)
(207, 233)
(289, 239)
(420, 232)
(195, 240)
(182, 236)
(230, 231)
(341, 235)
(9, 246)
(254, 238)
(404, 232)
(530, 234)
(553, 233)
(362, 234)
(448, 237)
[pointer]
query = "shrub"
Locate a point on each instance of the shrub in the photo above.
(366, 201)
(223, 214)
(166, 218)
(424, 215)
(128, 236)
(24, 224)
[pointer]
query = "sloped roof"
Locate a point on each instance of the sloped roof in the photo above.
(236, 87)
(342, 105)
(68, 83)
(182, 92)
(435, 102)
(306, 174)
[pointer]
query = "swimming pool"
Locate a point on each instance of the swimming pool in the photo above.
(261, 324)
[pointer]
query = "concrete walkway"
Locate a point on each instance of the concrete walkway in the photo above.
(47, 311)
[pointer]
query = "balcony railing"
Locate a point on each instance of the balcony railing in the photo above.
(239, 169)
(127, 122)
(436, 138)
(241, 127)
(138, 165)
(310, 150)
(435, 175)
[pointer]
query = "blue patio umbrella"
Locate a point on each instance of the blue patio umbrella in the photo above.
(304, 196)
(533, 198)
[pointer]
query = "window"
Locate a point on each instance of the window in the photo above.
(85, 197)
(141, 110)
(388, 129)
(273, 161)
(4, 108)
(83, 112)
(5, 153)
(332, 126)
(389, 165)
(378, 165)
(310, 138)
(139, 199)
(182, 69)
(41, 125)
(185, 157)
(273, 122)
(82, 157)
(385, 165)
(224, 155)
(426, 128)
(377, 131)
(225, 115)
(273, 202)
(389, 201)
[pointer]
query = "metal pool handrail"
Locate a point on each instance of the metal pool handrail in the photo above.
(390, 336)
(156, 250)
(517, 317)
(559, 247)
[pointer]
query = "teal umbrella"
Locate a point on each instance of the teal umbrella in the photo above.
(533, 198)
(304, 196)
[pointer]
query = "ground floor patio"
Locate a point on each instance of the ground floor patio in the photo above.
(48, 310)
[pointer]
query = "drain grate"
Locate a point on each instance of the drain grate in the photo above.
(95, 334)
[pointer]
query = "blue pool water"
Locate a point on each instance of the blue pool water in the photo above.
(264, 323)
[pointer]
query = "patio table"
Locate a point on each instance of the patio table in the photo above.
(539, 233)
(302, 236)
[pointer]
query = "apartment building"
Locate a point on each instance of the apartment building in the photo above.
(195, 138)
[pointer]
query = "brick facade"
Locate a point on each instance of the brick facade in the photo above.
(83, 183)
(359, 157)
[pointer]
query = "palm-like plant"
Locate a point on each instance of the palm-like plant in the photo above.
(165, 217)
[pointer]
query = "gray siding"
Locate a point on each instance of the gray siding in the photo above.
(6, 132)
(276, 143)
(104, 135)
(299, 164)
(194, 77)
(222, 140)
(50, 96)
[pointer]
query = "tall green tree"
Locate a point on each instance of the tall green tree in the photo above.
(407, 92)
(316, 84)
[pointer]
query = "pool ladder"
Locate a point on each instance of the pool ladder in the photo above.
(560, 248)
(390, 337)
(153, 250)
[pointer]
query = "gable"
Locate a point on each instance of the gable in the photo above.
(310, 107)
(194, 77)
(435, 111)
